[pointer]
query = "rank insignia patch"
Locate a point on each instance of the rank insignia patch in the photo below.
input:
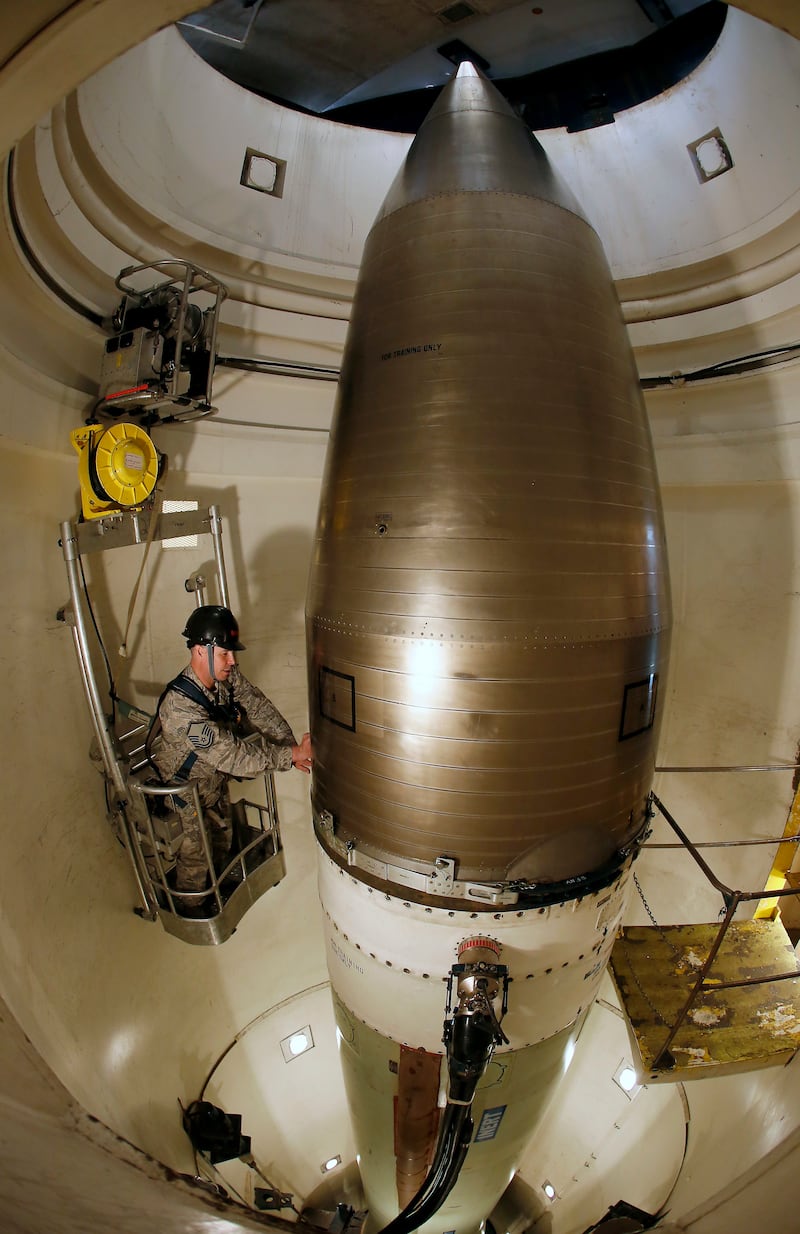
(201, 734)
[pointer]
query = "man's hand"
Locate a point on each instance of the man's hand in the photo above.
(302, 757)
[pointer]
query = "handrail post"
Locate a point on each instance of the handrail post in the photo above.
(215, 529)
(701, 976)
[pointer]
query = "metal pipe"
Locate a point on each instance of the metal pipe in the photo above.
(222, 292)
(141, 873)
(701, 976)
(151, 791)
(730, 843)
(166, 790)
(765, 767)
(733, 985)
(725, 891)
(281, 368)
(69, 543)
(215, 528)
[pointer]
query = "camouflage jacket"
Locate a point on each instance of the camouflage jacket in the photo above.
(219, 747)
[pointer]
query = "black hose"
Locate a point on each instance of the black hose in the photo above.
(455, 1134)
(470, 1041)
(33, 261)
(286, 368)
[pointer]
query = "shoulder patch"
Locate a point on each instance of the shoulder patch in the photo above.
(201, 734)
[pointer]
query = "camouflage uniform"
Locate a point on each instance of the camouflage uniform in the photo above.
(221, 751)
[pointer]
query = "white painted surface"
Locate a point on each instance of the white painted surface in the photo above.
(597, 1145)
(276, 1098)
(389, 959)
(635, 178)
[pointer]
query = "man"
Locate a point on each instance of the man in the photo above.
(204, 715)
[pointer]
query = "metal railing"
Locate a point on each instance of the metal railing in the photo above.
(732, 899)
(256, 833)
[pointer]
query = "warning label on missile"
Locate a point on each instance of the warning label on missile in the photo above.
(417, 349)
(489, 1124)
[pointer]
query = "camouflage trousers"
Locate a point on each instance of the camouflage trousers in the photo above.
(191, 866)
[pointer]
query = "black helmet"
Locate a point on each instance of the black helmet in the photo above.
(214, 626)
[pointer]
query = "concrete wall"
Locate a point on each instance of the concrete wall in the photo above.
(144, 162)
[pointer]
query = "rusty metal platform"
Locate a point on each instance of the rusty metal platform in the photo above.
(751, 1023)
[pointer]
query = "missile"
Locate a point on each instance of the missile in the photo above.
(487, 620)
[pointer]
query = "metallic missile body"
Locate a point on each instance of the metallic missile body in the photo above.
(487, 620)
(488, 606)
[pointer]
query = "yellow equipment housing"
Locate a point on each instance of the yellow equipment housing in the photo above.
(118, 467)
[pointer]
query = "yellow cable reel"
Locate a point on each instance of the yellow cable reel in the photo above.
(117, 467)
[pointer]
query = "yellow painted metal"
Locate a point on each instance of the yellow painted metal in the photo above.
(767, 909)
(117, 467)
(726, 1030)
(127, 464)
(790, 907)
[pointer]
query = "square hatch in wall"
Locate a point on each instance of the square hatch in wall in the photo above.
(710, 156)
(263, 172)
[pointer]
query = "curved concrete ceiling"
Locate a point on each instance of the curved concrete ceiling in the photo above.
(48, 46)
(380, 65)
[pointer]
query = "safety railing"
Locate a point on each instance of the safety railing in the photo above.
(732, 900)
(256, 837)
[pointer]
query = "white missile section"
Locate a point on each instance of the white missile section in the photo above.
(389, 959)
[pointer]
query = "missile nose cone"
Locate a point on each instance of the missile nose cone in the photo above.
(488, 606)
(468, 90)
(472, 141)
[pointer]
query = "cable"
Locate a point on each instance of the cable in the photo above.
(725, 368)
(286, 368)
(33, 261)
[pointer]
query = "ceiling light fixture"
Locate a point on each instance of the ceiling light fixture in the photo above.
(549, 1189)
(331, 1164)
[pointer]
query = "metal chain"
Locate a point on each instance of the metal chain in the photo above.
(651, 915)
(659, 1017)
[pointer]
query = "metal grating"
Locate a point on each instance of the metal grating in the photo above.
(745, 1017)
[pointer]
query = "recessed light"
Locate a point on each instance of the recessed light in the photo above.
(549, 1189)
(330, 1164)
(625, 1078)
(297, 1043)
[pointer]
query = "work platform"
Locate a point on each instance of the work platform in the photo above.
(746, 1011)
